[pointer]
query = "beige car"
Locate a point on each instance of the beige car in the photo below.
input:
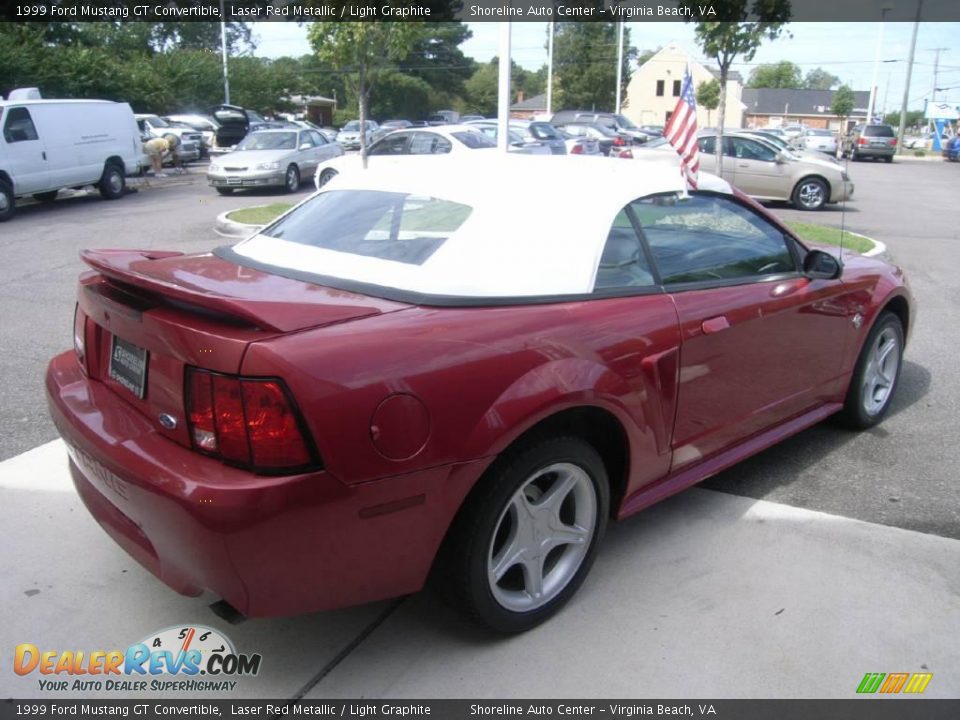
(764, 172)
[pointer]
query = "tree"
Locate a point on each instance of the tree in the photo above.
(708, 96)
(585, 64)
(730, 33)
(645, 56)
(913, 118)
(365, 52)
(820, 79)
(783, 74)
(842, 104)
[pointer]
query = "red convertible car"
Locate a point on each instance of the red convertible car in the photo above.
(459, 371)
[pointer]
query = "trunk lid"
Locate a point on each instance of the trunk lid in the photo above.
(146, 316)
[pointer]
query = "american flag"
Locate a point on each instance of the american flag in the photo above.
(681, 131)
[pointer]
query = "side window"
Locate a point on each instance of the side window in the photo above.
(707, 145)
(306, 139)
(707, 237)
(394, 144)
(19, 126)
(750, 150)
(660, 84)
(676, 88)
(429, 144)
(317, 138)
(623, 263)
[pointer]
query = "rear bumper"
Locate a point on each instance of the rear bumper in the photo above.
(268, 545)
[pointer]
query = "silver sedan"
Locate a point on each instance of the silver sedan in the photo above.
(271, 158)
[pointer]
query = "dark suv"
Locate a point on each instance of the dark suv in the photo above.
(616, 122)
(870, 141)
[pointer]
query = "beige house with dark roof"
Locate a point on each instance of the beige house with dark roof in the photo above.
(655, 86)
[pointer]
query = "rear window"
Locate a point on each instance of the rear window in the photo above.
(878, 131)
(390, 226)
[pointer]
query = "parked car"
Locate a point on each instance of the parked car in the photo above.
(620, 124)
(870, 141)
(522, 140)
(266, 158)
(444, 117)
(447, 141)
(189, 141)
(206, 126)
(349, 135)
(951, 149)
(776, 132)
(824, 141)
(46, 147)
(610, 141)
(414, 374)
(792, 131)
(235, 122)
(469, 118)
(579, 145)
(783, 145)
(543, 132)
(764, 172)
(391, 125)
(654, 131)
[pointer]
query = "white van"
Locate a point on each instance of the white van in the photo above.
(49, 145)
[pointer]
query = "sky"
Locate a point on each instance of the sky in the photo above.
(845, 49)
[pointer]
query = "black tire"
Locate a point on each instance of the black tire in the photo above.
(46, 197)
(113, 183)
(811, 193)
(225, 191)
(325, 176)
(888, 159)
(292, 179)
(461, 572)
(8, 202)
(856, 414)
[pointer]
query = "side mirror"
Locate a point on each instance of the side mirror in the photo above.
(820, 265)
(305, 146)
(780, 159)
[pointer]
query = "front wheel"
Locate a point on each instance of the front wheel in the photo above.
(225, 191)
(112, 183)
(292, 182)
(810, 194)
(876, 375)
(525, 540)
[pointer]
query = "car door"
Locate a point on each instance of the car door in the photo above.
(708, 156)
(307, 156)
(760, 342)
(325, 150)
(396, 143)
(25, 155)
(756, 170)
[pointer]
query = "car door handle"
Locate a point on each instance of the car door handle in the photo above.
(714, 325)
(743, 165)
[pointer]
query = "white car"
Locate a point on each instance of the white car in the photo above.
(448, 140)
(349, 135)
(824, 141)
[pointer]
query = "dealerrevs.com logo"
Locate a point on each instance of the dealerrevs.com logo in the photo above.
(187, 658)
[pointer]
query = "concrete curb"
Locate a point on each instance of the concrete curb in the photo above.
(232, 229)
(878, 248)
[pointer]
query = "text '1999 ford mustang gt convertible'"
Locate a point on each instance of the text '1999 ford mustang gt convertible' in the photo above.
(458, 371)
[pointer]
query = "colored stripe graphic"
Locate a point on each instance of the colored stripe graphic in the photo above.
(918, 683)
(870, 682)
(895, 681)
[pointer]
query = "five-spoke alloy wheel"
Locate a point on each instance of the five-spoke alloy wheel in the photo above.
(876, 374)
(526, 537)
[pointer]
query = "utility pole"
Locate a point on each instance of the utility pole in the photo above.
(550, 68)
(936, 68)
(906, 87)
(619, 62)
(223, 51)
(871, 107)
(503, 89)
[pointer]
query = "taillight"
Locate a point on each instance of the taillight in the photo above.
(862, 141)
(893, 142)
(619, 141)
(250, 422)
(80, 336)
(577, 149)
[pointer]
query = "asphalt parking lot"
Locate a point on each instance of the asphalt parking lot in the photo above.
(790, 575)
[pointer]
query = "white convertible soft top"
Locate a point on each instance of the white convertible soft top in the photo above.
(537, 228)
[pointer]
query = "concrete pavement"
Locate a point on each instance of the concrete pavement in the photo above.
(706, 595)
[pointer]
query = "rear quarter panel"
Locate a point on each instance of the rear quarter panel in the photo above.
(485, 376)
